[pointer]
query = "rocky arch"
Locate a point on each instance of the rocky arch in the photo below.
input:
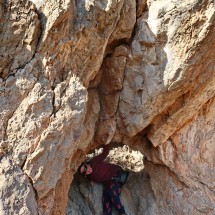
(86, 199)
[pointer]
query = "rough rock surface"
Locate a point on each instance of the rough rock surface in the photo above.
(76, 73)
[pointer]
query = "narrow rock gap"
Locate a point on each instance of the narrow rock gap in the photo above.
(53, 104)
(32, 184)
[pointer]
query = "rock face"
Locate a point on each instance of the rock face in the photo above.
(74, 73)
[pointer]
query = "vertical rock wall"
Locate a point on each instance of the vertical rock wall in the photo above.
(73, 73)
(186, 167)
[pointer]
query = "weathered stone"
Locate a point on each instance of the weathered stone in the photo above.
(54, 144)
(17, 193)
(185, 167)
(19, 34)
(141, 6)
(124, 27)
(159, 70)
(77, 74)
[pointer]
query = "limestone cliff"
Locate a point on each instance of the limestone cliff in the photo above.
(73, 72)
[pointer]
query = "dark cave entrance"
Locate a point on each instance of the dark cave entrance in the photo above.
(83, 199)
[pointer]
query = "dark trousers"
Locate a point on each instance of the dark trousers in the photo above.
(111, 197)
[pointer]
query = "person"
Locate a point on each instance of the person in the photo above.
(99, 171)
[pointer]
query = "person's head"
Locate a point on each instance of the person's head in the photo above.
(85, 169)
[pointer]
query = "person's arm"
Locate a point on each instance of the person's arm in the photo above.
(103, 155)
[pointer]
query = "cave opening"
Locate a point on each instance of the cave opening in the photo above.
(84, 199)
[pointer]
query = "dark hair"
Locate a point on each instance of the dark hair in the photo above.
(79, 169)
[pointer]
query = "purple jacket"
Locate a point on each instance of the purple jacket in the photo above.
(102, 171)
